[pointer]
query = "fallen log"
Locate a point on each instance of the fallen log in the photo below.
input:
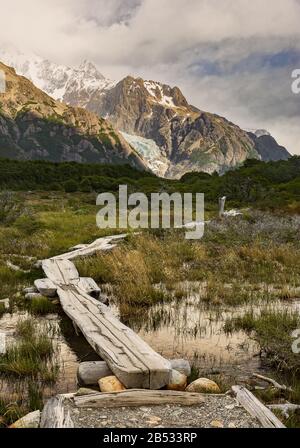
(255, 408)
(138, 397)
(286, 409)
(101, 244)
(273, 382)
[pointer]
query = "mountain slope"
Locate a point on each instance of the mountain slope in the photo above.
(34, 126)
(267, 147)
(190, 139)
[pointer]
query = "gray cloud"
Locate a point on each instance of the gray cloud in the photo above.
(232, 57)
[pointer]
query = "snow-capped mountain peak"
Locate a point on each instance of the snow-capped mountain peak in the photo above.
(73, 85)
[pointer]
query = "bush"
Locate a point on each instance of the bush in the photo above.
(70, 186)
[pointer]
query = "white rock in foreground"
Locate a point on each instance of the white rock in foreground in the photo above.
(31, 420)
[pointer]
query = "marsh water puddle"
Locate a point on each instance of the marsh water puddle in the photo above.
(183, 328)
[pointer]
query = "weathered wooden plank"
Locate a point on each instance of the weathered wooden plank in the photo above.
(46, 287)
(256, 409)
(61, 272)
(54, 414)
(136, 397)
(127, 355)
(89, 372)
(90, 249)
(89, 286)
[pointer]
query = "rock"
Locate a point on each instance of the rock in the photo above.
(30, 290)
(32, 295)
(89, 373)
(230, 407)
(231, 425)
(181, 365)
(216, 424)
(31, 420)
(153, 420)
(85, 391)
(46, 287)
(111, 384)
(38, 264)
(204, 386)
(5, 302)
(178, 381)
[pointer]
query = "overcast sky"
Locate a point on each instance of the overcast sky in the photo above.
(231, 57)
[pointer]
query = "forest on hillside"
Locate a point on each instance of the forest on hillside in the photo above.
(264, 184)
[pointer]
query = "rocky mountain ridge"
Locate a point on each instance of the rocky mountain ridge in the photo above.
(35, 126)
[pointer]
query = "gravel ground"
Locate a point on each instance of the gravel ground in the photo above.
(216, 412)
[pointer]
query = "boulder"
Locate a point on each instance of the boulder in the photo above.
(32, 295)
(46, 287)
(85, 391)
(111, 384)
(204, 386)
(29, 290)
(181, 365)
(89, 373)
(178, 381)
(31, 420)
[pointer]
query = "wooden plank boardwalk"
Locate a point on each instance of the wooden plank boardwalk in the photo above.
(127, 355)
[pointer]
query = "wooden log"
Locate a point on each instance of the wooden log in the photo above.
(136, 397)
(46, 287)
(106, 243)
(61, 272)
(222, 202)
(273, 382)
(90, 372)
(54, 415)
(131, 360)
(256, 409)
(286, 409)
